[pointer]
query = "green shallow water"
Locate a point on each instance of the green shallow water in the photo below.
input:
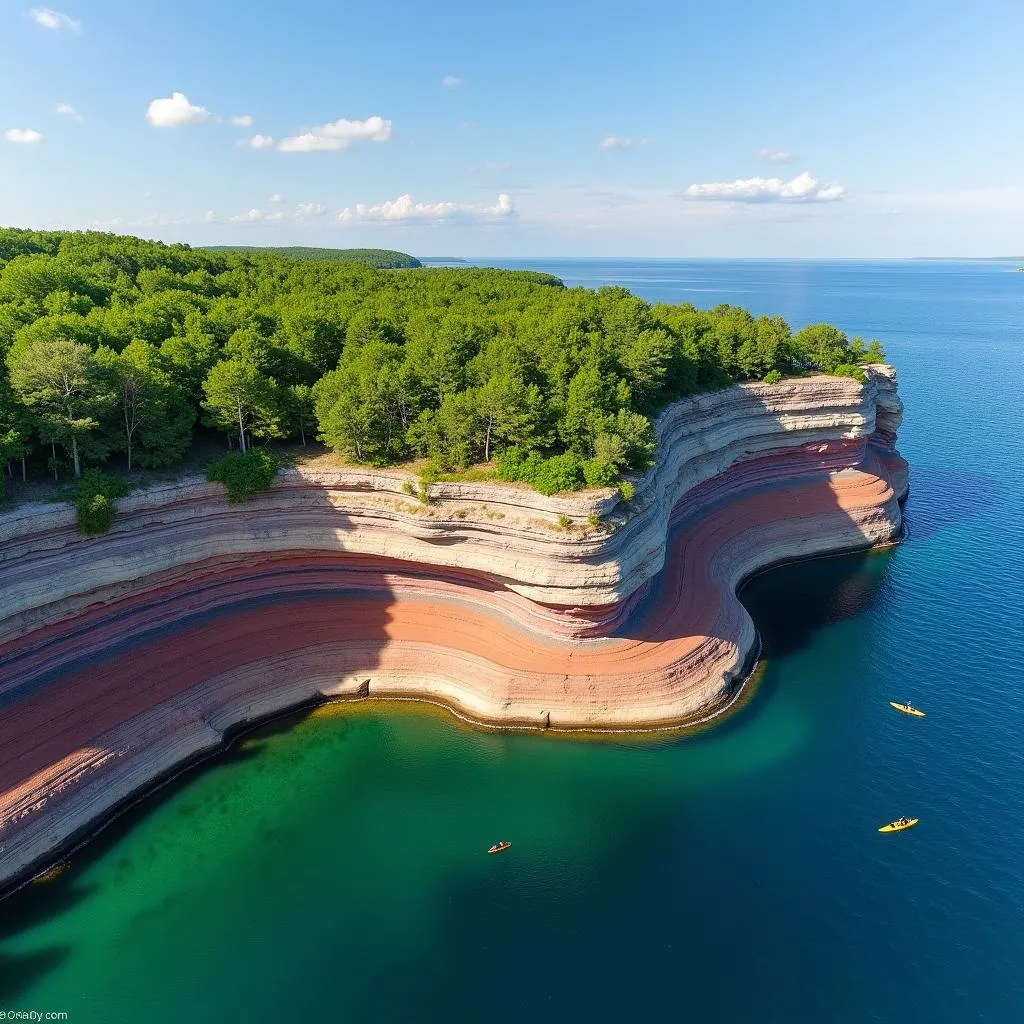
(333, 864)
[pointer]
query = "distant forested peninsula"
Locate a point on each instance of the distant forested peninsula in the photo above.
(385, 259)
(116, 351)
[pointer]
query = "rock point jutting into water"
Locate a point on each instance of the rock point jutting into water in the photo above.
(126, 655)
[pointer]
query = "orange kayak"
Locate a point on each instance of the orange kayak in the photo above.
(498, 847)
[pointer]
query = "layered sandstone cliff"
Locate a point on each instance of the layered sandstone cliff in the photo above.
(122, 656)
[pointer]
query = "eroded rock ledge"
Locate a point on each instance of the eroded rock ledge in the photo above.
(123, 656)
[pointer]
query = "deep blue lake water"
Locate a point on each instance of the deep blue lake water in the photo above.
(332, 869)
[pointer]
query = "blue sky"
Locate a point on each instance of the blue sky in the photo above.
(453, 128)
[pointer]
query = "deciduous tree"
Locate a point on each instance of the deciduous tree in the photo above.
(63, 385)
(239, 396)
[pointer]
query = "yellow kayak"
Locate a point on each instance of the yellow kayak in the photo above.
(899, 826)
(907, 709)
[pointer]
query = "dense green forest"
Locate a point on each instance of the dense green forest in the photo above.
(116, 351)
(386, 259)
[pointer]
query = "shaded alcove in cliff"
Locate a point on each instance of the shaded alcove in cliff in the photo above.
(791, 603)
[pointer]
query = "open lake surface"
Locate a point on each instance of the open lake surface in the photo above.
(332, 867)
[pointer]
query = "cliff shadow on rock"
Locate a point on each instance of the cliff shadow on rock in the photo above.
(99, 706)
(795, 492)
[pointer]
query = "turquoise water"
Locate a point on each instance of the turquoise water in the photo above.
(333, 867)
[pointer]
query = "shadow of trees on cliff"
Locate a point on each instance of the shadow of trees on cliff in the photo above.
(787, 605)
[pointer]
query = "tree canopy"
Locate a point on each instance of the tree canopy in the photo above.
(386, 259)
(112, 347)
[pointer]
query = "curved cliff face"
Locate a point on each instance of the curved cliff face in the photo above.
(509, 534)
(124, 655)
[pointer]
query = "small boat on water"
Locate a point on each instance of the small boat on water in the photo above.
(499, 847)
(899, 825)
(908, 709)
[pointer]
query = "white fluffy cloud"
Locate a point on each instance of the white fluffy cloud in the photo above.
(775, 156)
(66, 110)
(277, 198)
(242, 120)
(310, 210)
(249, 217)
(404, 209)
(258, 142)
(22, 135)
(804, 188)
(337, 135)
(451, 82)
(612, 142)
(54, 20)
(174, 111)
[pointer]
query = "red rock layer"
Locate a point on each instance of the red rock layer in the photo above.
(94, 707)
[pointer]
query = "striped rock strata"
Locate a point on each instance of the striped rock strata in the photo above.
(124, 656)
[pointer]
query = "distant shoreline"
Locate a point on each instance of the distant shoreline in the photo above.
(497, 261)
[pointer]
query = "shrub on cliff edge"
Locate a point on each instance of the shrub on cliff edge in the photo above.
(94, 501)
(563, 472)
(772, 377)
(849, 370)
(244, 475)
